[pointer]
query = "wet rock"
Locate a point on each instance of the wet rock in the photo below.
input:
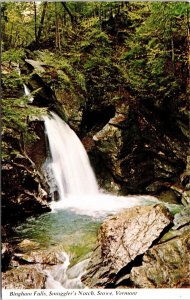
(168, 196)
(122, 239)
(72, 105)
(37, 149)
(44, 257)
(6, 255)
(49, 88)
(35, 65)
(109, 143)
(43, 94)
(24, 277)
(181, 225)
(182, 219)
(165, 265)
(155, 187)
(23, 194)
(127, 161)
(183, 193)
(27, 245)
(33, 263)
(140, 151)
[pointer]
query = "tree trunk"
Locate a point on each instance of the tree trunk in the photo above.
(57, 34)
(73, 19)
(188, 52)
(173, 54)
(11, 35)
(56, 27)
(35, 21)
(100, 15)
(42, 21)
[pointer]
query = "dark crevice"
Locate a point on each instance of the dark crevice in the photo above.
(96, 119)
(183, 225)
(125, 271)
(165, 230)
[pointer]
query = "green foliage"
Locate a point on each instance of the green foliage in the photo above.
(14, 117)
(17, 25)
(11, 82)
(101, 48)
(12, 110)
(16, 111)
(150, 61)
(80, 80)
(15, 55)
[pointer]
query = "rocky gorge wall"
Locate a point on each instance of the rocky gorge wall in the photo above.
(133, 150)
(134, 146)
(25, 191)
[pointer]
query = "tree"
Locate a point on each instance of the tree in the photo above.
(44, 7)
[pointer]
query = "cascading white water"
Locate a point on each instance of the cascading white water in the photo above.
(74, 177)
(28, 93)
(70, 162)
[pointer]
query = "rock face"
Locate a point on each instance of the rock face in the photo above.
(29, 266)
(23, 190)
(122, 239)
(44, 95)
(37, 149)
(140, 151)
(45, 257)
(6, 255)
(40, 83)
(24, 277)
(165, 265)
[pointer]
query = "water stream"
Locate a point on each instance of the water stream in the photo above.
(27, 93)
(75, 218)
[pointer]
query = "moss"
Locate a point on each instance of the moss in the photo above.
(15, 130)
(81, 249)
(15, 55)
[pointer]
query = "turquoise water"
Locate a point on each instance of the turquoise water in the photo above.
(73, 233)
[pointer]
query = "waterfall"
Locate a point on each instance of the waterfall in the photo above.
(74, 177)
(28, 93)
(70, 163)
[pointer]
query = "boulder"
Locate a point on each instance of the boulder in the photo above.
(122, 239)
(38, 66)
(43, 257)
(165, 265)
(24, 277)
(181, 225)
(182, 218)
(43, 94)
(27, 245)
(29, 266)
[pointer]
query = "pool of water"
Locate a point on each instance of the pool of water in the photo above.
(72, 228)
(76, 234)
